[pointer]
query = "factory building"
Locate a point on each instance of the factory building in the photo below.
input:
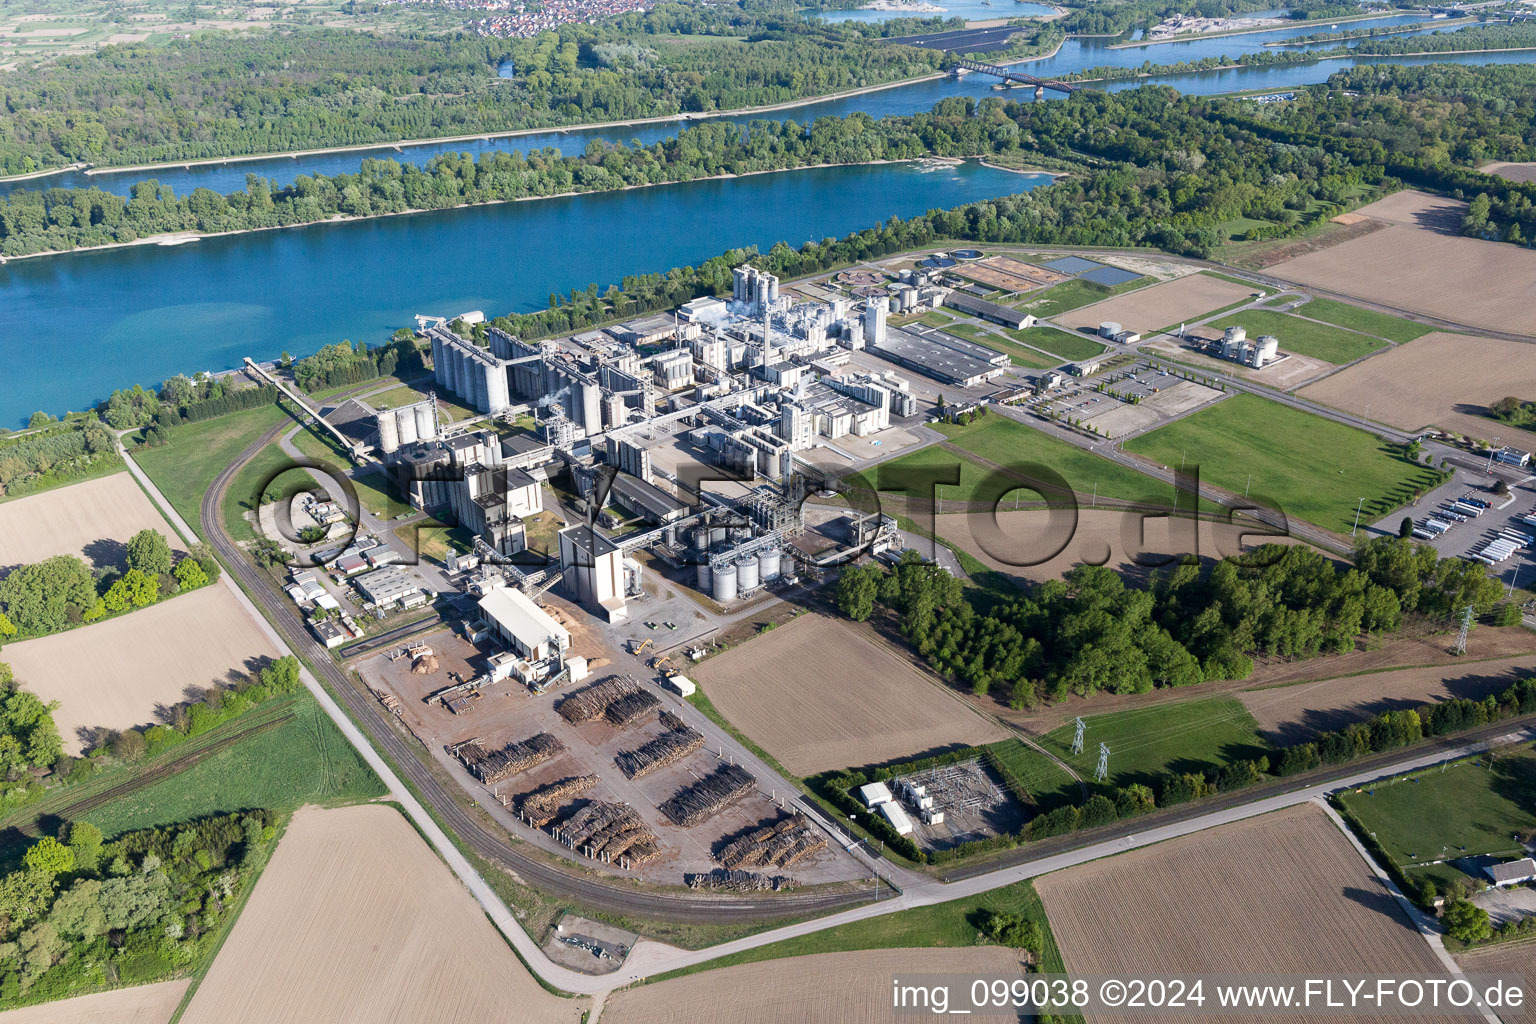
(523, 626)
(645, 499)
(392, 587)
(597, 573)
(673, 370)
(796, 426)
(469, 480)
(475, 376)
(943, 357)
(990, 311)
(874, 323)
(754, 290)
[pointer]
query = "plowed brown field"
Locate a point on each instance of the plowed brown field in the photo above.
(93, 519)
(1284, 893)
(823, 693)
(1160, 305)
(826, 988)
(143, 1004)
(356, 921)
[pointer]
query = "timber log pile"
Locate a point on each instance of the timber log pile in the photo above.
(542, 806)
(670, 747)
(709, 795)
(493, 766)
(778, 844)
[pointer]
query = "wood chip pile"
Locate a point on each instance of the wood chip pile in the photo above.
(610, 831)
(670, 747)
(592, 702)
(493, 766)
(689, 806)
(722, 880)
(542, 805)
(778, 844)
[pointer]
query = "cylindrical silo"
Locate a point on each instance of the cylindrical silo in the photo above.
(703, 580)
(746, 573)
(724, 583)
(426, 422)
(406, 421)
(389, 437)
(768, 564)
(716, 535)
(699, 539)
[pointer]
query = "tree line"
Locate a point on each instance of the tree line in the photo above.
(54, 453)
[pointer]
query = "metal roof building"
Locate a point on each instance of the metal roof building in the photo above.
(942, 356)
(987, 310)
(526, 627)
(392, 585)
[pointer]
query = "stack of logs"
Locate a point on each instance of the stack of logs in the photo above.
(689, 806)
(607, 832)
(670, 747)
(780, 844)
(722, 880)
(493, 766)
(542, 806)
(619, 698)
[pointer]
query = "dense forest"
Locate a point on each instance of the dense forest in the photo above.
(53, 453)
(222, 94)
(1090, 632)
(83, 913)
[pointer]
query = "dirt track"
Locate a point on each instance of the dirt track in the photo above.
(823, 693)
(825, 988)
(356, 920)
(93, 519)
(1284, 893)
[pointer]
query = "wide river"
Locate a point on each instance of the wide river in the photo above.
(85, 323)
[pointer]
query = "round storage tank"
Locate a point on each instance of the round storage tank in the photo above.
(426, 422)
(698, 539)
(768, 564)
(746, 573)
(389, 437)
(724, 583)
(407, 422)
(716, 535)
(703, 580)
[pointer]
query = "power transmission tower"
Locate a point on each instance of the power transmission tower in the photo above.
(1461, 637)
(1077, 740)
(1102, 771)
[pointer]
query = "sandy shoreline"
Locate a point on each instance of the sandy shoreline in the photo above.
(174, 238)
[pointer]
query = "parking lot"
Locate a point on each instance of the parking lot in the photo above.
(1459, 533)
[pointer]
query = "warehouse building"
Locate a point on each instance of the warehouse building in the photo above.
(523, 626)
(942, 357)
(392, 587)
(990, 311)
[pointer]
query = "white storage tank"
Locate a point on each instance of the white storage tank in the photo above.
(724, 589)
(768, 564)
(746, 573)
(426, 422)
(406, 420)
(389, 437)
(703, 580)
(716, 535)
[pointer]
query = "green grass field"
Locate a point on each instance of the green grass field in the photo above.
(306, 760)
(1009, 443)
(943, 925)
(1364, 320)
(1074, 293)
(933, 318)
(971, 473)
(1017, 354)
(197, 452)
(1465, 810)
(431, 539)
(1043, 779)
(1068, 346)
(379, 496)
(1333, 345)
(1314, 468)
(1144, 742)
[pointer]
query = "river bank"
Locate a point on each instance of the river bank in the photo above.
(1417, 26)
(1311, 58)
(175, 238)
(1189, 37)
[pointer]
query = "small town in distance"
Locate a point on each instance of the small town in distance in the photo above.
(944, 617)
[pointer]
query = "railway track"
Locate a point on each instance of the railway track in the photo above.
(497, 849)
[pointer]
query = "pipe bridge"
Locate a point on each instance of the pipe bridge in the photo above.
(1016, 77)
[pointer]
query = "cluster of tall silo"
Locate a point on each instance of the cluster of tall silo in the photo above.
(754, 288)
(406, 425)
(722, 572)
(473, 374)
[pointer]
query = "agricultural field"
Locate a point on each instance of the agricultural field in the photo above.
(1101, 537)
(1187, 736)
(1511, 172)
(1419, 262)
(356, 919)
(1162, 305)
(1073, 294)
(1442, 380)
(856, 702)
(1366, 321)
(1506, 959)
(141, 1004)
(1291, 714)
(1313, 468)
(1306, 902)
(120, 672)
(94, 520)
(1466, 810)
(1305, 337)
(846, 987)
